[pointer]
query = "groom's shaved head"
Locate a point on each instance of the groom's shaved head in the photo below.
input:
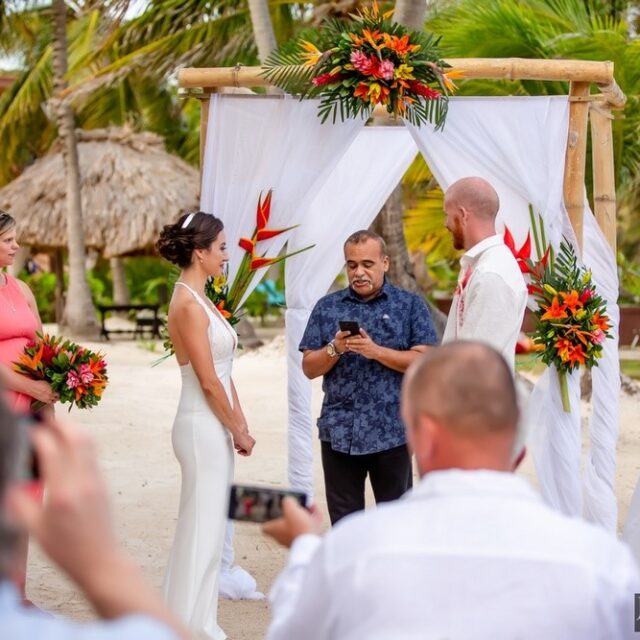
(475, 195)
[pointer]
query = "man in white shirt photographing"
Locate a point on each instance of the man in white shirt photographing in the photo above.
(471, 552)
(491, 295)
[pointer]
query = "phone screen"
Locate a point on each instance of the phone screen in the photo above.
(352, 326)
(259, 504)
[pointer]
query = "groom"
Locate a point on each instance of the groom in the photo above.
(491, 296)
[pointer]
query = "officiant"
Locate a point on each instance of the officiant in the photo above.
(360, 428)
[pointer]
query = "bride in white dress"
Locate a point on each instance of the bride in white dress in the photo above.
(208, 425)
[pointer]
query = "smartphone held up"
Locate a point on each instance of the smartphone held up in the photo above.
(259, 504)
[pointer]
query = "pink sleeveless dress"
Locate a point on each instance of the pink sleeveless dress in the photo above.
(18, 325)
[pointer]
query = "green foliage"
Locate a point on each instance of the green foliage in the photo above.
(43, 286)
(573, 29)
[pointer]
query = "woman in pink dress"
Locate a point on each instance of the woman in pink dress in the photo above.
(19, 321)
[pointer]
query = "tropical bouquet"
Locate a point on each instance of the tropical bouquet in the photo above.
(572, 318)
(227, 297)
(372, 60)
(77, 375)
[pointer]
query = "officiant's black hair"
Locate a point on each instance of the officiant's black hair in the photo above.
(178, 241)
(6, 221)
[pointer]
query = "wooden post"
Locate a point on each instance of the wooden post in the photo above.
(604, 186)
(204, 125)
(575, 158)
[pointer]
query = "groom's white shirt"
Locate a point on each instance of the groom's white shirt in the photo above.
(468, 555)
(490, 299)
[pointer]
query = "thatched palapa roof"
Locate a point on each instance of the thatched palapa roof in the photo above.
(131, 187)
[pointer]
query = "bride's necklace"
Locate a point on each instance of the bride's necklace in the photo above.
(8, 296)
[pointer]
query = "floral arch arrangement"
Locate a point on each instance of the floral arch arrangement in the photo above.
(355, 66)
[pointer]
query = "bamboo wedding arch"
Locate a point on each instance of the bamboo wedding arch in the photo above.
(585, 108)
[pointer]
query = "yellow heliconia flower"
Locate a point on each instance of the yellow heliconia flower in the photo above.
(374, 91)
(403, 72)
(448, 78)
(312, 55)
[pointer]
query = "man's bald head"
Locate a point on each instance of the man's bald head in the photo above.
(467, 387)
(476, 196)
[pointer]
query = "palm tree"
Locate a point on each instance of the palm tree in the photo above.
(558, 29)
(79, 317)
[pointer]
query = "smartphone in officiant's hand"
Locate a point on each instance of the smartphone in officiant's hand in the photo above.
(259, 504)
(352, 326)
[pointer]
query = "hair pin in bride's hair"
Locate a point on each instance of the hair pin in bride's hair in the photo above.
(187, 221)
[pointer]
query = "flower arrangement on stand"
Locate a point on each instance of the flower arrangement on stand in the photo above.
(77, 375)
(572, 320)
(373, 60)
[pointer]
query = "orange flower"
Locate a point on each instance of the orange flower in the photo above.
(400, 45)
(602, 322)
(449, 77)
(362, 91)
(222, 310)
(576, 354)
(563, 346)
(555, 311)
(571, 300)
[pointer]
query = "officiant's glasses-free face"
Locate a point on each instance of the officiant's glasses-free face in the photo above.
(366, 266)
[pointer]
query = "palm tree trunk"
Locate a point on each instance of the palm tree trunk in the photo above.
(121, 293)
(389, 222)
(79, 318)
(262, 28)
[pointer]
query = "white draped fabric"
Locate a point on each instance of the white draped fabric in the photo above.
(349, 200)
(257, 143)
(518, 144)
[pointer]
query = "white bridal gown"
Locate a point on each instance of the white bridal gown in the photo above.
(204, 450)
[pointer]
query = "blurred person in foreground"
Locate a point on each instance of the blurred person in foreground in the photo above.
(472, 552)
(74, 528)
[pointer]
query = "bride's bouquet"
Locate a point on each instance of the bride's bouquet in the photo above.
(77, 375)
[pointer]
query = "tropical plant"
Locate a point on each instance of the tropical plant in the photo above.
(576, 29)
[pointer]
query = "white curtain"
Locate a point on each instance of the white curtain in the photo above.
(349, 200)
(518, 144)
(257, 143)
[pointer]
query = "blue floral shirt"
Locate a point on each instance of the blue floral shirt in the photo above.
(361, 408)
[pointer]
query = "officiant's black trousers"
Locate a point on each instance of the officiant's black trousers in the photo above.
(344, 477)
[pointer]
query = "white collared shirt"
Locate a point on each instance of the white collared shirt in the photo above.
(490, 299)
(466, 554)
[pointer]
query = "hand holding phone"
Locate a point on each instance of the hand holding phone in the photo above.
(259, 504)
(352, 326)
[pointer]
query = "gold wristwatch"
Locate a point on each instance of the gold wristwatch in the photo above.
(332, 352)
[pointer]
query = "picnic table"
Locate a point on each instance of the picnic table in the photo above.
(143, 323)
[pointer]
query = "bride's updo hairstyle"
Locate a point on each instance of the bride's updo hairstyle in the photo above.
(192, 231)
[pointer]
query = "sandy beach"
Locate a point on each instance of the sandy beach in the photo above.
(132, 427)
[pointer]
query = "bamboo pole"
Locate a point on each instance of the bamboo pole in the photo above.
(604, 187)
(204, 126)
(574, 167)
(600, 73)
